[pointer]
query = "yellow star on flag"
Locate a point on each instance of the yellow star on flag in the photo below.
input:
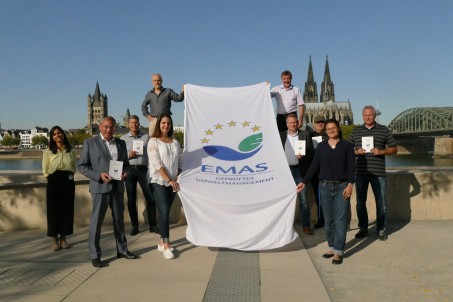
(245, 124)
(209, 132)
(232, 124)
(256, 128)
(204, 140)
(218, 126)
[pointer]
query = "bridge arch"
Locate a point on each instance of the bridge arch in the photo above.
(423, 119)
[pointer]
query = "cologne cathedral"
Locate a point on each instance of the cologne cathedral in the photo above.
(326, 105)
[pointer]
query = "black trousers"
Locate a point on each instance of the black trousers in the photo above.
(60, 203)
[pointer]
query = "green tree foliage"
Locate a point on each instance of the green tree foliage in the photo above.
(180, 137)
(346, 130)
(39, 140)
(77, 138)
(10, 141)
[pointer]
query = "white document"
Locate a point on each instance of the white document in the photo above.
(316, 141)
(137, 146)
(367, 143)
(116, 169)
(299, 147)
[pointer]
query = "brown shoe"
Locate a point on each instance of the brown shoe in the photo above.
(63, 243)
(55, 246)
(308, 231)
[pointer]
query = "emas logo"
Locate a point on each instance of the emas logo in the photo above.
(233, 146)
(249, 143)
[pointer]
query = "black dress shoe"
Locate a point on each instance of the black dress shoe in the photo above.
(134, 231)
(127, 255)
(327, 255)
(337, 261)
(154, 229)
(98, 262)
(319, 224)
(362, 233)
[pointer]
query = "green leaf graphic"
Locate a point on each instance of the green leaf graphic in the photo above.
(251, 142)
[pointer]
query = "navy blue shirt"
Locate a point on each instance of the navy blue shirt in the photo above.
(333, 163)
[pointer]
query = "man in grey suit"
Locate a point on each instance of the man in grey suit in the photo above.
(105, 191)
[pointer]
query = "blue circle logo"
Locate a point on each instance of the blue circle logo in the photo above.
(248, 146)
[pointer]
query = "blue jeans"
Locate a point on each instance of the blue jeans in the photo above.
(164, 199)
(335, 209)
(303, 200)
(378, 184)
(135, 175)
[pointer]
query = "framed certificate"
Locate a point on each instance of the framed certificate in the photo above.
(137, 146)
(367, 143)
(116, 169)
(299, 147)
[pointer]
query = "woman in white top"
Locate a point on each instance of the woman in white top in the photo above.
(164, 153)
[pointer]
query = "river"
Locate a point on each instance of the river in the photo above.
(392, 161)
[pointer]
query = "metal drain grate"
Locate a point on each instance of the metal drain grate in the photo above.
(235, 277)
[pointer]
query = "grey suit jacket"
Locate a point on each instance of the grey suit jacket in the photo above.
(95, 159)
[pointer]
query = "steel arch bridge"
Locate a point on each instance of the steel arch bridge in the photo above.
(423, 120)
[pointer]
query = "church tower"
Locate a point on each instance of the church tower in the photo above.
(327, 87)
(97, 109)
(310, 91)
(126, 118)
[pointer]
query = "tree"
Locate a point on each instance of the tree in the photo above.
(180, 137)
(40, 141)
(77, 138)
(346, 130)
(10, 141)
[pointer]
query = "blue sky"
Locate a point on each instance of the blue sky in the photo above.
(52, 52)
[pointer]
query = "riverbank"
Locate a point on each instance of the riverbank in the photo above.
(27, 154)
(22, 155)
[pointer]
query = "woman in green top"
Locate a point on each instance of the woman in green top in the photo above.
(58, 166)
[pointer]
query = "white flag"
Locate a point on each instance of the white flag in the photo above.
(236, 187)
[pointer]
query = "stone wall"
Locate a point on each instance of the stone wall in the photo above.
(422, 194)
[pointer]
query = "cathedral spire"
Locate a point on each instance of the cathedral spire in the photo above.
(97, 92)
(327, 87)
(310, 77)
(310, 91)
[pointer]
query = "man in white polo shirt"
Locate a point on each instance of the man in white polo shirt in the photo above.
(289, 101)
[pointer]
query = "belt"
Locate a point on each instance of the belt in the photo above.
(285, 114)
(335, 182)
(138, 166)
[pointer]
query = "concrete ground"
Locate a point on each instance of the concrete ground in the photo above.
(414, 264)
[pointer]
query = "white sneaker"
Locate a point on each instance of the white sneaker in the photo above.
(160, 248)
(168, 254)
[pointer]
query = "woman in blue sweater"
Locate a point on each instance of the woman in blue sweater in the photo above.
(335, 161)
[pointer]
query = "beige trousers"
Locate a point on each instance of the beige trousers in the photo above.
(152, 125)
